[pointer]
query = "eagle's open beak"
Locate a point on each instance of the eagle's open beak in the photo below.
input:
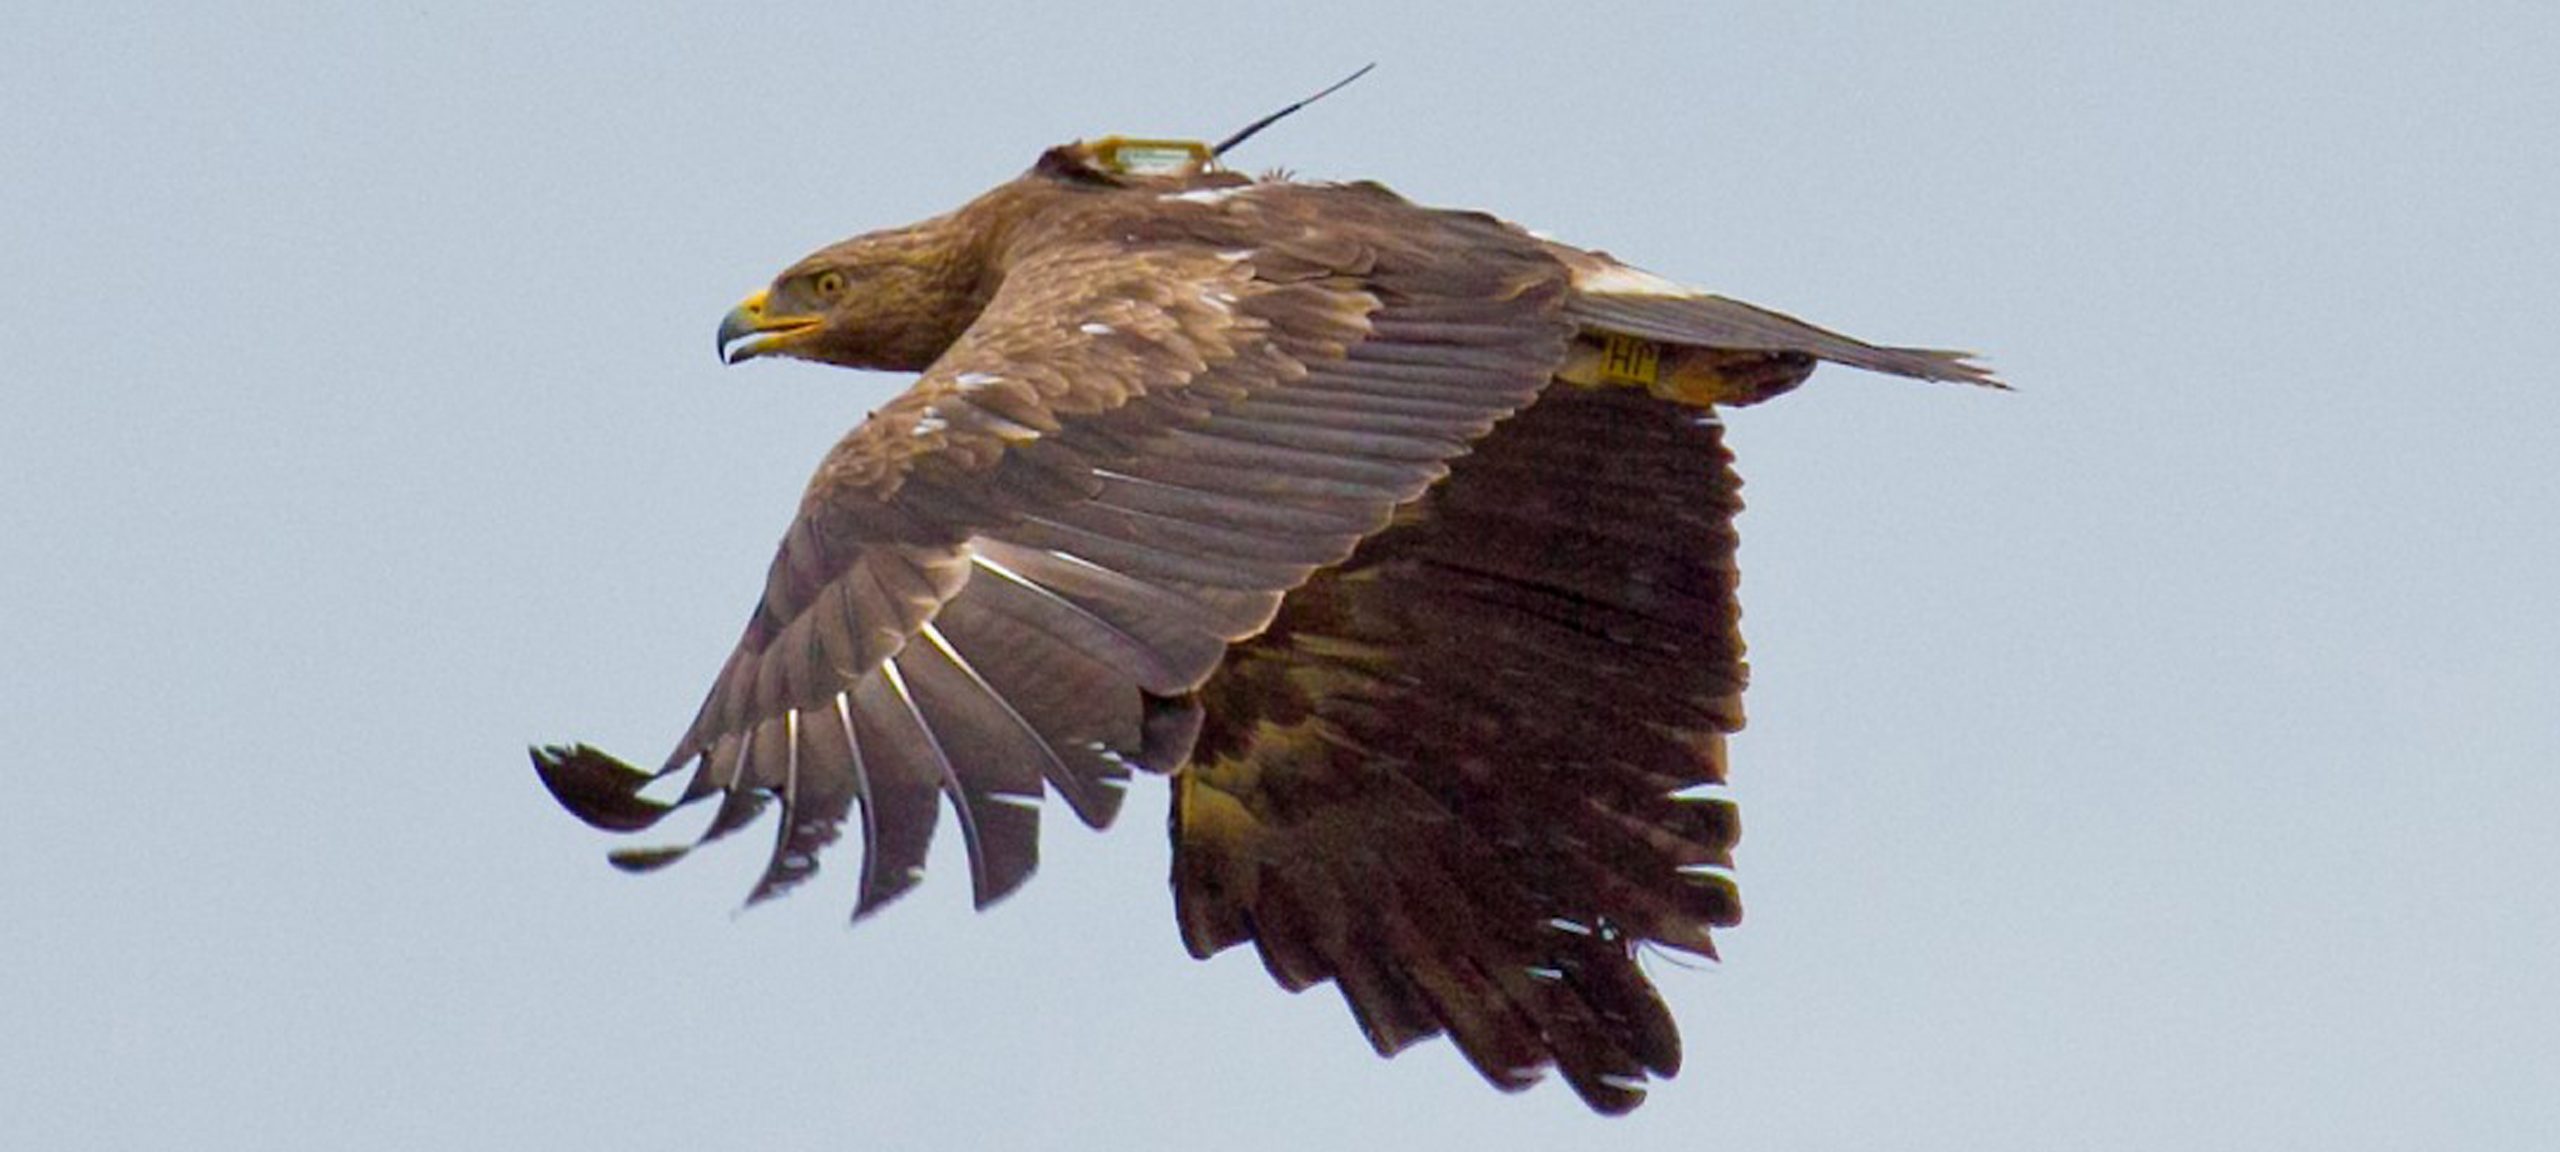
(748, 332)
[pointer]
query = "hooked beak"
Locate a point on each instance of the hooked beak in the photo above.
(748, 332)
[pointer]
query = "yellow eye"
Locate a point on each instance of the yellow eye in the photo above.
(828, 285)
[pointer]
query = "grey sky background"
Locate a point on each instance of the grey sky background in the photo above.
(2160, 757)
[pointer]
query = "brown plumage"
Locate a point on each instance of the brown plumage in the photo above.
(1401, 538)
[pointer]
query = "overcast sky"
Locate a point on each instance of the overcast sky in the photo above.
(2163, 756)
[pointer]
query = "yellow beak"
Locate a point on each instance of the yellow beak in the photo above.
(749, 331)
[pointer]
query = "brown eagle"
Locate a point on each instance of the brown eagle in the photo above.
(1401, 539)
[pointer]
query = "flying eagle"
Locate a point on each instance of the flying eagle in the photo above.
(1399, 538)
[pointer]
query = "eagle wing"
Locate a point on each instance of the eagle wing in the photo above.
(1460, 773)
(1017, 573)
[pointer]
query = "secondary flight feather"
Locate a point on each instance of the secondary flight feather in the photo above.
(1399, 538)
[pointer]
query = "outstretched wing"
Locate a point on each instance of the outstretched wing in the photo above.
(1014, 574)
(1457, 775)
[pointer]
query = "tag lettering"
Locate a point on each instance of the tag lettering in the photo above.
(1628, 360)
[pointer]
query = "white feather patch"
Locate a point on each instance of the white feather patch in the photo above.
(1209, 195)
(1620, 280)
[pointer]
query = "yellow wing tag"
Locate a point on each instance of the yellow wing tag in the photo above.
(1629, 360)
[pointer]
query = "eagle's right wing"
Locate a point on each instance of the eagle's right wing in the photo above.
(1012, 574)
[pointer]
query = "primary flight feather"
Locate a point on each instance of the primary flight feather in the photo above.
(1400, 538)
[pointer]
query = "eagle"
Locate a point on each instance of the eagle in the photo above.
(1399, 538)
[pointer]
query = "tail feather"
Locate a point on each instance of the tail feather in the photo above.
(1615, 297)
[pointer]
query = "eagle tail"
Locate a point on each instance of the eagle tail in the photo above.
(1611, 297)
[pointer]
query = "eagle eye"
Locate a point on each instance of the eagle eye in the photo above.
(827, 285)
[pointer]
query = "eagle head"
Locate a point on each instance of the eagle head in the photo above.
(890, 300)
